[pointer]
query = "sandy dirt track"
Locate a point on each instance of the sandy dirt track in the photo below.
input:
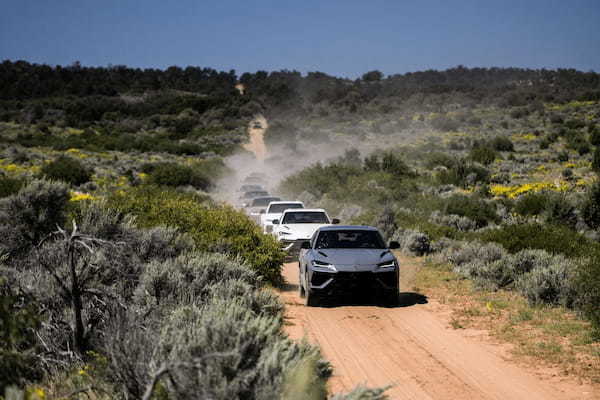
(412, 348)
(256, 144)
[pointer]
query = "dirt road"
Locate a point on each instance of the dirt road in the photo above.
(412, 348)
(256, 131)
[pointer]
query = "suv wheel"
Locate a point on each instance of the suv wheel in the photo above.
(301, 290)
(310, 300)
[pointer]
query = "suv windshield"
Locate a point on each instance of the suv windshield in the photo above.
(279, 208)
(305, 217)
(263, 201)
(348, 239)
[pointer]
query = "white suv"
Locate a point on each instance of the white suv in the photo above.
(274, 211)
(297, 226)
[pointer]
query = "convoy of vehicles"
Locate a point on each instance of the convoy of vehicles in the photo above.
(274, 211)
(333, 260)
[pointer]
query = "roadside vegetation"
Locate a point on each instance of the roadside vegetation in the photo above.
(122, 277)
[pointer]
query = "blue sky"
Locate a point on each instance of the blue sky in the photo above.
(342, 38)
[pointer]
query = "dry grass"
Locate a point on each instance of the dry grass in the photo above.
(551, 336)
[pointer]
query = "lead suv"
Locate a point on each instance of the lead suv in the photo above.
(341, 259)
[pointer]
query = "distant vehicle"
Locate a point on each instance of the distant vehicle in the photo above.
(250, 188)
(274, 211)
(258, 206)
(246, 198)
(341, 259)
(297, 226)
(254, 180)
(257, 125)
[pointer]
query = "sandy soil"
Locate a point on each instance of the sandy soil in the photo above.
(257, 144)
(413, 348)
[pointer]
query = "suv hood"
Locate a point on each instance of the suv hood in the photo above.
(298, 231)
(354, 257)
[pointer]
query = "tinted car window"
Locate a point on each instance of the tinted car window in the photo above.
(308, 217)
(350, 239)
(279, 208)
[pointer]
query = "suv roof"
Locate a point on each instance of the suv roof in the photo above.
(305, 210)
(286, 202)
(348, 228)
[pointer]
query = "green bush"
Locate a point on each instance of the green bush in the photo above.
(596, 160)
(483, 154)
(590, 209)
(221, 229)
(173, 174)
(552, 238)
(31, 214)
(502, 143)
(531, 204)
(68, 170)
(548, 284)
(473, 208)
(10, 186)
(587, 286)
(463, 174)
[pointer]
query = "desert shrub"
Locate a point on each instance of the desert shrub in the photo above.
(574, 124)
(587, 286)
(362, 393)
(483, 154)
(444, 123)
(173, 174)
(440, 159)
(31, 214)
(68, 170)
(531, 203)
(563, 156)
(590, 209)
(412, 241)
(457, 222)
(463, 173)
(502, 273)
(386, 223)
(221, 229)
(552, 238)
(10, 185)
(502, 143)
(559, 210)
(595, 136)
(19, 318)
(188, 278)
(548, 284)
(473, 208)
(225, 351)
(596, 160)
(466, 252)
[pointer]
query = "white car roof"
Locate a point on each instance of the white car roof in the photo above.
(290, 210)
(286, 202)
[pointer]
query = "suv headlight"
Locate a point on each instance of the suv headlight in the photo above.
(324, 265)
(387, 264)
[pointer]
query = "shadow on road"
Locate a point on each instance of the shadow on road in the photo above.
(405, 299)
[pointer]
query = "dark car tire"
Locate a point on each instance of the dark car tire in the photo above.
(391, 298)
(310, 300)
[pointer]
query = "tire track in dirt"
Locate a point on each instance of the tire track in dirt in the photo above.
(412, 348)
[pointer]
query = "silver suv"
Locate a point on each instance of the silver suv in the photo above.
(341, 259)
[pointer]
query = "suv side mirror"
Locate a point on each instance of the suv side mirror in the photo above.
(394, 245)
(335, 221)
(275, 222)
(305, 245)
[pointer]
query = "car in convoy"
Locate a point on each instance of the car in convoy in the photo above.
(250, 188)
(274, 211)
(258, 205)
(298, 225)
(349, 259)
(247, 197)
